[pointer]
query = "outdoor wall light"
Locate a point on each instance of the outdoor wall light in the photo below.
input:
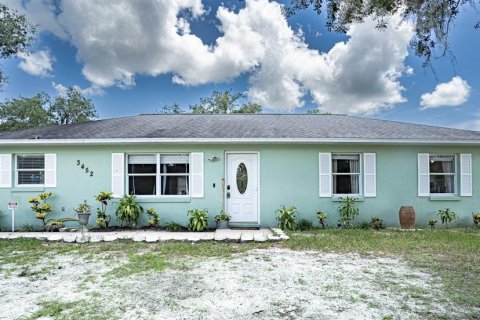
(213, 158)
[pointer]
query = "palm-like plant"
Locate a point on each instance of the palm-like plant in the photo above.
(322, 216)
(348, 210)
(286, 217)
(198, 220)
(447, 216)
(128, 210)
(102, 218)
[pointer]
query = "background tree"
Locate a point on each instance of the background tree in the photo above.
(72, 108)
(219, 102)
(16, 34)
(433, 18)
(39, 111)
(25, 112)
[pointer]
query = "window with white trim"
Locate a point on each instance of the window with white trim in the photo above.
(442, 173)
(346, 171)
(30, 169)
(165, 174)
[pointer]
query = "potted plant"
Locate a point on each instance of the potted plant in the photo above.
(222, 220)
(476, 219)
(83, 212)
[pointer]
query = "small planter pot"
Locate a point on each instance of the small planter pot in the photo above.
(222, 225)
(83, 220)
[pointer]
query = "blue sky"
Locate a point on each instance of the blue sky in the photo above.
(127, 60)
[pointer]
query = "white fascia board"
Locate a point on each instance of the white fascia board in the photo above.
(20, 142)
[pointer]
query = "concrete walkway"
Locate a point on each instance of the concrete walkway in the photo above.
(232, 235)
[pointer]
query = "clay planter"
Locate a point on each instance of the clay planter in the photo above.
(407, 217)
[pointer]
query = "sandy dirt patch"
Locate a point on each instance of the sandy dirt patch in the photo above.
(263, 284)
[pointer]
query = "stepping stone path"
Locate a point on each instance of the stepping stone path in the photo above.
(230, 235)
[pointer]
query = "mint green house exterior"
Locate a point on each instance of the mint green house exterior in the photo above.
(247, 165)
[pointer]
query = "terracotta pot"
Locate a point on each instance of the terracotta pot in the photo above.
(407, 217)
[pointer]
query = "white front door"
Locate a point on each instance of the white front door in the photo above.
(242, 187)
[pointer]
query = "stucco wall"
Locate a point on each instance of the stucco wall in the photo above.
(288, 175)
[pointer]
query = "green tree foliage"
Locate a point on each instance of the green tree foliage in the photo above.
(39, 111)
(219, 102)
(16, 34)
(433, 18)
(72, 108)
(25, 112)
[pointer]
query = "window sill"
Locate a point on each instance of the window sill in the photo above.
(339, 199)
(445, 198)
(28, 189)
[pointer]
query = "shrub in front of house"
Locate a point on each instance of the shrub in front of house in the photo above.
(103, 219)
(476, 219)
(304, 225)
(347, 211)
(447, 216)
(174, 227)
(128, 210)
(286, 217)
(40, 206)
(432, 223)
(322, 217)
(197, 220)
(376, 223)
(154, 218)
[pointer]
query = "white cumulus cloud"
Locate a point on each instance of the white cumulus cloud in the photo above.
(447, 94)
(38, 63)
(89, 91)
(117, 40)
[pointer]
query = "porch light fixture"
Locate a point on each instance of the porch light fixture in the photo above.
(213, 158)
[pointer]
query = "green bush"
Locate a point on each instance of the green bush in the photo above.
(155, 218)
(432, 223)
(128, 210)
(173, 226)
(447, 216)
(286, 217)
(28, 228)
(376, 223)
(102, 218)
(347, 211)
(304, 225)
(322, 216)
(198, 219)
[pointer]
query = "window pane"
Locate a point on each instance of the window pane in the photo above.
(142, 164)
(174, 163)
(346, 184)
(30, 177)
(142, 185)
(442, 184)
(442, 164)
(346, 165)
(31, 161)
(174, 185)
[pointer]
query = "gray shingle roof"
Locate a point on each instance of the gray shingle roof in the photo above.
(238, 126)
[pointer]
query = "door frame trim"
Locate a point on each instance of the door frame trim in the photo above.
(258, 181)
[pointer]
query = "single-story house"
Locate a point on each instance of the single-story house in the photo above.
(247, 165)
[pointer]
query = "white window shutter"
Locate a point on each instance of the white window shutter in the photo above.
(466, 175)
(5, 170)
(50, 170)
(197, 174)
(118, 174)
(369, 175)
(325, 178)
(423, 174)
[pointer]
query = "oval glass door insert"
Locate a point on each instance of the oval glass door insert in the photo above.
(242, 178)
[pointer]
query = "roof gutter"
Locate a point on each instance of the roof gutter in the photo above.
(126, 141)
